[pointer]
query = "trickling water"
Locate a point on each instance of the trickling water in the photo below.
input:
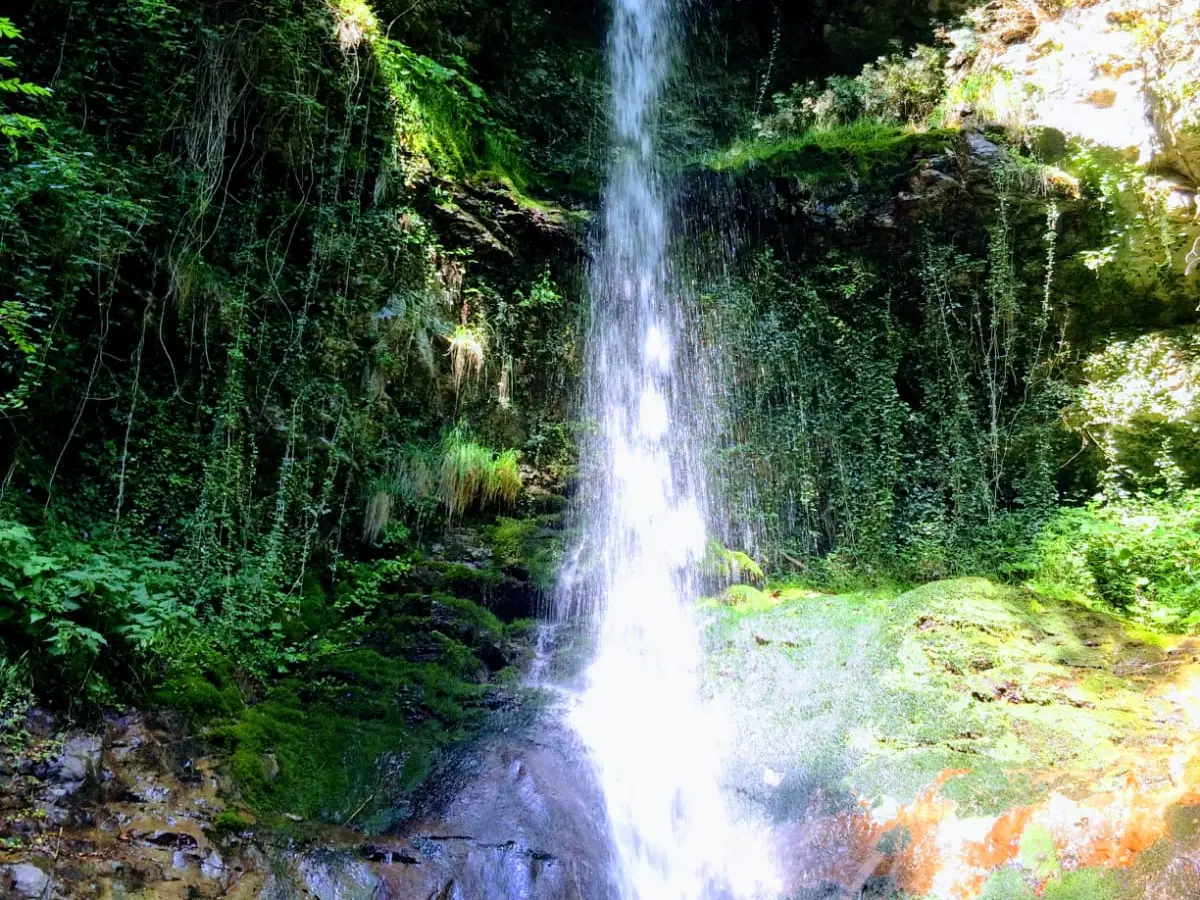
(655, 745)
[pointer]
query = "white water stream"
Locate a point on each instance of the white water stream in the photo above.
(656, 746)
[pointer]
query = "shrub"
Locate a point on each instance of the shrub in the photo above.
(87, 613)
(894, 89)
(1139, 556)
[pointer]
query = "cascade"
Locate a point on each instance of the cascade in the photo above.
(654, 743)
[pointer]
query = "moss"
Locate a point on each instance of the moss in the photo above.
(1085, 884)
(743, 595)
(459, 579)
(363, 733)
(863, 150)
(228, 822)
(358, 731)
(202, 690)
(531, 546)
(883, 693)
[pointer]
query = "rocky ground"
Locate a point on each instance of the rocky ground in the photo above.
(963, 740)
(137, 810)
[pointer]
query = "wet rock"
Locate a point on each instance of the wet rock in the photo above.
(80, 758)
(27, 880)
(177, 840)
(521, 820)
(982, 148)
(212, 865)
(336, 876)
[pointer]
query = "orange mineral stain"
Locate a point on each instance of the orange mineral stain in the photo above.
(950, 858)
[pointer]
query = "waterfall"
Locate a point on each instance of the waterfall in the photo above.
(656, 747)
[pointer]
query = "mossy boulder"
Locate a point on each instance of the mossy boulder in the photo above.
(950, 740)
(354, 731)
(874, 696)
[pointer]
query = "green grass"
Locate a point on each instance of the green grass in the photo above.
(474, 474)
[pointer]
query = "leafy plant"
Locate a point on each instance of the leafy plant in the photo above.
(1137, 555)
(15, 125)
(85, 612)
(16, 697)
(899, 89)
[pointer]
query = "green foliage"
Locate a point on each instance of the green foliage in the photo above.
(899, 411)
(739, 595)
(14, 125)
(1137, 410)
(230, 272)
(16, 697)
(1137, 555)
(89, 611)
(439, 115)
(895, 89)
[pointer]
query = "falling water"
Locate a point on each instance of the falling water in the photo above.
(655, 745)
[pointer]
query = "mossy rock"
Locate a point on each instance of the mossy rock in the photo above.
(882, 692)
(356, 731)
(865, 152)
(531, 548)
(201, 690)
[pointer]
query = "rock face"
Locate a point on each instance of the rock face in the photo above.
(514, 819)
(522, 821)
(1115, 73)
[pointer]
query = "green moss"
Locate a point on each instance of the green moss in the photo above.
(363, 732)
(1087, 884)
(360, 730)
(533, 546)
(886, 692)
(744, 595)
(457, 578)
(228, 822)
(202, 691)
(863, 150)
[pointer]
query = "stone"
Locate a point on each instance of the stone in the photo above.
(212, 865)
(27, 880)
(983, 149)
(520, 819)
(79, 761)
(334, 876)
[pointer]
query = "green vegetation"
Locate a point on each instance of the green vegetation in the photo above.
(473, 473)
(531, 546)
(291, 333)
(940, 338)
(1136, 555)
(863, 150)
(283, 297)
